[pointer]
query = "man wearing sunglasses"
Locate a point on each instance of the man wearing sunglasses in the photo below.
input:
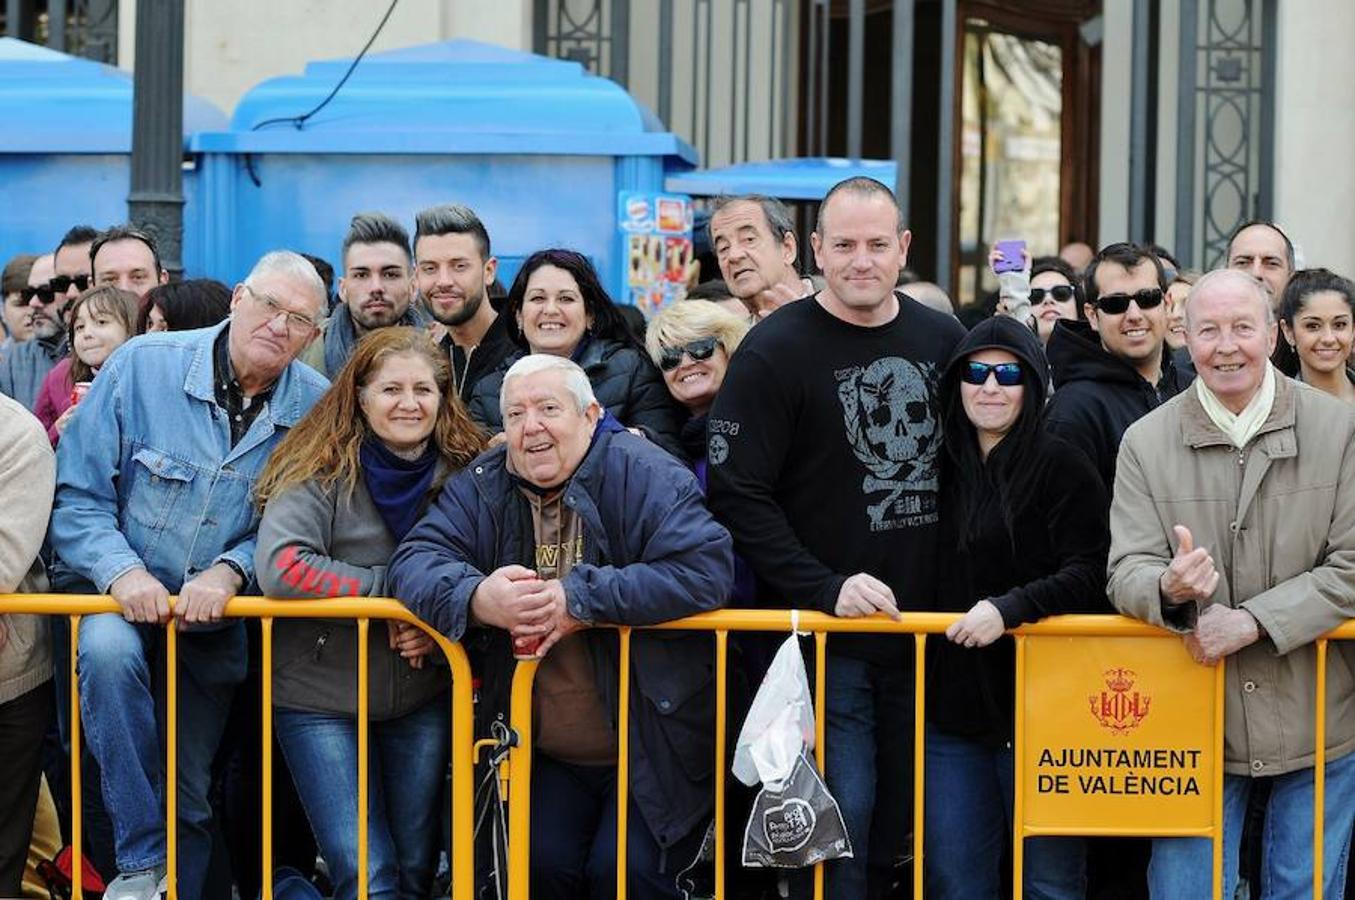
(1111, 369)
(23, 368)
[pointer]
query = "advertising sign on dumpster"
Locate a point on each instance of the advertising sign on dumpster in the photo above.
(657, 233)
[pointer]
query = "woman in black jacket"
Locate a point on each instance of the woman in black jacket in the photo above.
(1024, 526)
(558, 306)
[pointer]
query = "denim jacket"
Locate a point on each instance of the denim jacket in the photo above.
(146, 474)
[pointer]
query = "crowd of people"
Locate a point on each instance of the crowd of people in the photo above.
(519, 466)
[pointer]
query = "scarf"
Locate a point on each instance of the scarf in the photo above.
(1241, 427)
(398, 486)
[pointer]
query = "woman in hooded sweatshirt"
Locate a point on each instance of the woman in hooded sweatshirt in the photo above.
(1023, 521)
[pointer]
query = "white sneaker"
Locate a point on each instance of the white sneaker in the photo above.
(148, 885)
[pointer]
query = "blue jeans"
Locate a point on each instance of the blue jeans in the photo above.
(969, 823)
(407, 762)
(1181, 868)
(573, 839)
(121, 706)
(868, 761)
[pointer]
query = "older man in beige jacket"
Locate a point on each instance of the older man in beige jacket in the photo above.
(27, 480)
(1233, 522)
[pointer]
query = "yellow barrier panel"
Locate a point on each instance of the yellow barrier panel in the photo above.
(76, 606)
(920, 625)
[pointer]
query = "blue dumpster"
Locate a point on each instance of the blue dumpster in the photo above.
(538, 147)
(65, 158)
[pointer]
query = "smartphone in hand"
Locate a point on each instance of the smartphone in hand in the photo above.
(1013, 257)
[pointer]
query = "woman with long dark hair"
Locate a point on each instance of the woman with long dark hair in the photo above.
(558, 306)
(1317, 322)
(338, 494)
(1024, 530)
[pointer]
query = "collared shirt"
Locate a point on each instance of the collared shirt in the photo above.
(230, 396)
(148, 475)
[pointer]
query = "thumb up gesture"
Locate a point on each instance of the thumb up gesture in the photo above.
(1191, 575)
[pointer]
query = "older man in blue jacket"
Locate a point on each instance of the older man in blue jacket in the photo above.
(577, 523)
(155, 475)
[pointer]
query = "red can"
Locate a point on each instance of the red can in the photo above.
(526, 647)
(79, 391)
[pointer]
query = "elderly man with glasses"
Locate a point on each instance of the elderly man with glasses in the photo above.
(155, 498)
(24, 366)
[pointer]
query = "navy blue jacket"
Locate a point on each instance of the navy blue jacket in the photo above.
(652, 553)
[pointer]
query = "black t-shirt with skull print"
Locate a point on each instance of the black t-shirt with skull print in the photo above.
(824, 453)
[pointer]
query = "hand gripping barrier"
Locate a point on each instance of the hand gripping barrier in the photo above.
(719, 624)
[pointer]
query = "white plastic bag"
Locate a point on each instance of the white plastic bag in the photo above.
(780, 722)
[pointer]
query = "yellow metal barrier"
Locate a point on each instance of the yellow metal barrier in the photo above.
(720, 624)
(920, 625)
(361, 609)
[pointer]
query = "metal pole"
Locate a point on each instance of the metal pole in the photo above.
(901, 100)
(1186, 63)
(19, 19)
(945, 164)
(156, 200)
(856, 76)
(620, 63)
(56, 25)
(1265, 198)
(1138, 125)
(666, 63)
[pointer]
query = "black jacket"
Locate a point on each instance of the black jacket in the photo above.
(1097, 395)
(493, 349)
(652, 554)
(624, 381)
(1052, 560)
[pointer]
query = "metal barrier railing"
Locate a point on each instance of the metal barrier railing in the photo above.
(363, 610)
(920, 626)
(719, 624)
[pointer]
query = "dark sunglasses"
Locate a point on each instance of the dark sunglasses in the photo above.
(1060, 292)
(1008, 374)
(698, 350)
(1115, 304)
(62, 283)
(42, 293)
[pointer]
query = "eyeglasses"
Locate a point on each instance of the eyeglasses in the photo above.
(62, 283)
(297, 324)
(1008, 374)
(698, 350)
(1115, 304)
(42, 293)
(1060, 293)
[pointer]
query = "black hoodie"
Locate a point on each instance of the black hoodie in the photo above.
(1098, 395)
(1052, 560)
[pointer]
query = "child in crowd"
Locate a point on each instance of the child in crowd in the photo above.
(102, 320)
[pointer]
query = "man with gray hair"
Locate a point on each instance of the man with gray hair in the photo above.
(575, 522)
(453, 268)
(376, 290)
(1233, 523)
(154, 498)
(753, 237)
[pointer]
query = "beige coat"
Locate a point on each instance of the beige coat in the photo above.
(1278, 517)
(27, 481)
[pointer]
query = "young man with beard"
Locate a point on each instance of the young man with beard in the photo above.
(376, 291)
(453, 269)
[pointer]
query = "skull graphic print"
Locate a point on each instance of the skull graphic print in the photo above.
(889, 410)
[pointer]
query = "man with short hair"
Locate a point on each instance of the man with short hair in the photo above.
(453, 269)
(573, 523)
(376, 291)
(23, 369)
(1233, 523)
(753, 237)
(824, 453)
(127, 258)
(154, 497)
(1112, 369)
(1263, 251)
(16, 315)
